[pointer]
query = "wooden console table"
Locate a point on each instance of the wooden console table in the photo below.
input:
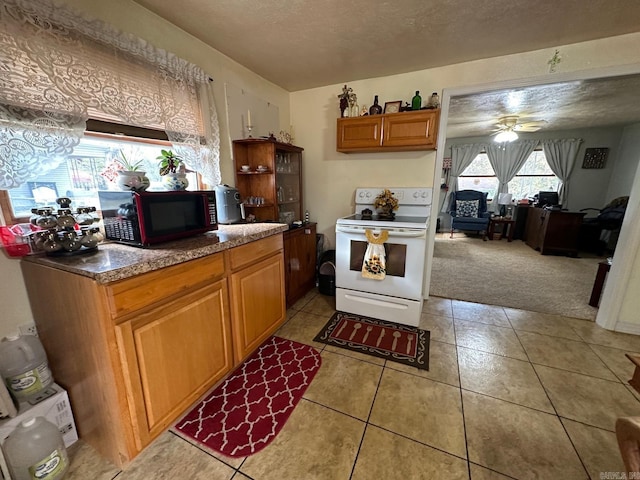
(553, 231)
(507, 227)
(596, 291)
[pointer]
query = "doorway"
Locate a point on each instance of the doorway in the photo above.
(618, 283)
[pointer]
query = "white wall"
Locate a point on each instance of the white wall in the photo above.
(626, 163)
(625, 179)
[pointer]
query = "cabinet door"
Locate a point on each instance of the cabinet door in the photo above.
(289, 186)
(173, 354)
(413, 130)
(359, 133)
(300, 262)
(258, 300)
(274, 192)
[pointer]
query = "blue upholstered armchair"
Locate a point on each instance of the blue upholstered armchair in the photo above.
(468, 211)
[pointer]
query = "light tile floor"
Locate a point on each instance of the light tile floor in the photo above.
(509, 394)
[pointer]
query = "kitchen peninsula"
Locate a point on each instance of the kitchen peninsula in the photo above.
(138, 335)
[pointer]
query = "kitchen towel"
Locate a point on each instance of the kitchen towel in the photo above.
(374, 265)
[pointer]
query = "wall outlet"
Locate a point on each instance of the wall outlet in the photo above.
(28, 329)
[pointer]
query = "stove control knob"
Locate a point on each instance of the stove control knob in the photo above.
(416, 194)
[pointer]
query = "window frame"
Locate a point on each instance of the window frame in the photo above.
(525, 175)
(108, 131)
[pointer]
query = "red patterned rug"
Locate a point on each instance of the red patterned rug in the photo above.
(246, 412)
(392, 341)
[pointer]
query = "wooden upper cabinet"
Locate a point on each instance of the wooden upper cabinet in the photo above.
(359, 133)
(411, 129)
(391, 132)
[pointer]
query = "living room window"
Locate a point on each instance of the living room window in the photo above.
(534, 176)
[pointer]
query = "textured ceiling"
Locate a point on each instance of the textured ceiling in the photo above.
(300, 44)
(613, 101)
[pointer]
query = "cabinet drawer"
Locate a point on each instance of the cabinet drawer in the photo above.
(251, 252)
(143, 290)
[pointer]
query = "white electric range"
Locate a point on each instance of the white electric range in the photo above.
(397, 297)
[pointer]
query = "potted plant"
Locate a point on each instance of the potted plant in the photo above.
(131, 177)
(172, 170)
(386, 203)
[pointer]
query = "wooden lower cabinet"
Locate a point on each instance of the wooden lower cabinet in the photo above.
(257, 299)
(300, 261)
(136, 353)
(172, 354)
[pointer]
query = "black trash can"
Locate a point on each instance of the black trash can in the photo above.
(327, 273)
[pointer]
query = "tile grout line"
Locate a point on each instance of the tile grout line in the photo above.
(205, 451)
(366, 423)
(557, 415)
(464, 419)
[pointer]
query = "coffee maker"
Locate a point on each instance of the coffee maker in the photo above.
(229, 207)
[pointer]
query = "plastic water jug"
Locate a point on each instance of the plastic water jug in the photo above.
(35, 449)
(24, 367)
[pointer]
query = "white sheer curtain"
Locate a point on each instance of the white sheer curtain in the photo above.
(507, 159)
(461, 158)
(561, 156)
(63, 69)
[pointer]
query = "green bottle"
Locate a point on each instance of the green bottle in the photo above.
(416, 101)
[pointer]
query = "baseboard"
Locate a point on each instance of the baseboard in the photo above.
(627, 327)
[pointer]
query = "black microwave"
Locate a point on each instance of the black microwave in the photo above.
(145, 218)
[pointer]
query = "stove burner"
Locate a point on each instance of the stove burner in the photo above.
(367, 214)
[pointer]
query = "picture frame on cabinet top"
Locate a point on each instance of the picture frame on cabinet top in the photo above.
(392, 107)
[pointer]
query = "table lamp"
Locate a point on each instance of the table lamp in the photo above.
(504, 199)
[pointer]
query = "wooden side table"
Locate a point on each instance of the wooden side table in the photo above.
(603, 268)
(508, 226)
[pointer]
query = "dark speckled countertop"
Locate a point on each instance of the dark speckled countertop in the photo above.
(113, 261)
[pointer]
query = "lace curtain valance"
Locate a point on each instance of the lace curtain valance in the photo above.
(63, 69)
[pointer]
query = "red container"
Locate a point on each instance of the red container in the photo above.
(16, 244)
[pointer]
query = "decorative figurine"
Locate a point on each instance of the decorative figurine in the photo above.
(354, 110)
(344, 99)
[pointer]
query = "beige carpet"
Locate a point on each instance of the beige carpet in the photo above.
(512, 275)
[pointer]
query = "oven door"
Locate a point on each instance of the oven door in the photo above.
(405, 257)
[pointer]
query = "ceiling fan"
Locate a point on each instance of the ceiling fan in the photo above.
(507, 126)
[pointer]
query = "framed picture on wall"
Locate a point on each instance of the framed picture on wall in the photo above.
(595, 157)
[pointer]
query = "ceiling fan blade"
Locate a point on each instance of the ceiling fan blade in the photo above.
(527, 128)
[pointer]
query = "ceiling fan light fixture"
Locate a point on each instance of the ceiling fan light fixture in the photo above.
(506, 136)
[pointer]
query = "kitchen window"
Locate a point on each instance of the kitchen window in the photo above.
(86, 171)
(534, 176)
(97, 74)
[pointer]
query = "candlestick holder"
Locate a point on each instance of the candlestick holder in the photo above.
(249, 128)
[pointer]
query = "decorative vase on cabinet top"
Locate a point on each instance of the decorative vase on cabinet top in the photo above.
(175, 181)
(131, 180)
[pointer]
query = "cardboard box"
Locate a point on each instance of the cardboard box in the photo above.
(55, 407)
